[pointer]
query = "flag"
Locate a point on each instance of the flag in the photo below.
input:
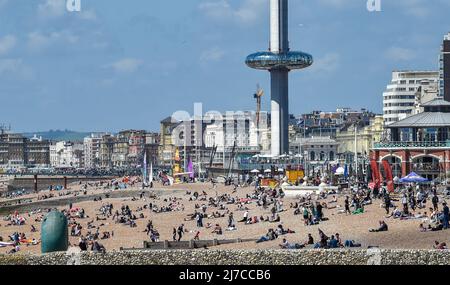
(388, 174)
(144, 168)
(375, 173)
(151, 173)
(191, 169)
(346, 171)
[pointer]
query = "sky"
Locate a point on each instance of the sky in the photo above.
(129, 64)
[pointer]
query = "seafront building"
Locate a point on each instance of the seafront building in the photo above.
(66, 155)
(444, 69)
(419, 143)
(18, 152)
(399, 99)
(91, 146)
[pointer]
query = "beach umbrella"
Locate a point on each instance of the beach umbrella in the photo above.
(339, 171)
(413, 178)
(267, 171)
(254, 171)
(280, 169)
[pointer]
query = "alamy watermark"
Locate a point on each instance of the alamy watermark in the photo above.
(232, 128)
(374, 255)
(374, 5)
(73, 5)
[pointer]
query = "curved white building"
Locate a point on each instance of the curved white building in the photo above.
(400, 95)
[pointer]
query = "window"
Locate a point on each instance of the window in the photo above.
(331, 155)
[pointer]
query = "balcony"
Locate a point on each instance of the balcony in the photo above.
(412, 145)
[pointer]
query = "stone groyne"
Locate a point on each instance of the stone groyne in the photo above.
(237, 257)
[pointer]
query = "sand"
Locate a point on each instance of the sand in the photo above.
(402, 234)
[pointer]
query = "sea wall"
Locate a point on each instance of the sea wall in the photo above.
(237, 257)
(63, 201)
(44, 182)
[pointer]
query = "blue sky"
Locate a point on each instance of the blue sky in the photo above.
(128, 64)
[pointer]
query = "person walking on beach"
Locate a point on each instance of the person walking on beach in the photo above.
(387, 202)
(230, 220)
(180, 232)
(446, 213)
(174, 234)
(347, 206)
(435, 201)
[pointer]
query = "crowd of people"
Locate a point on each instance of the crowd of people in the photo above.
(216, 213)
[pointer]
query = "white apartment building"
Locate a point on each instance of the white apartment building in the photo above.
(91, 146)
(66, 155)
(400, 96)
(236, 127)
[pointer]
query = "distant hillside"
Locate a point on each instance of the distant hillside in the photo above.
(58, 135)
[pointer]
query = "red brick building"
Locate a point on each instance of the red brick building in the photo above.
(419, 143)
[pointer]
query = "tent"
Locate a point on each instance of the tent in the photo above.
(413, 178)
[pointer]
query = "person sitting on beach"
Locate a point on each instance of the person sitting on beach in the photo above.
(281, 231)
(333, 242)
(271, 235)
(245, 218)
(217, 230)
(97, 247)
(383, 227)
(351, 243)
(396, 214)
(339, 240)
(323, 239)
(286, 245)
(441, 246)
(310, 240)
(422, 228)
(275, 218)
(82, 244)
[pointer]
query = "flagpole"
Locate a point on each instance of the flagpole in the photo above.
(356, 153)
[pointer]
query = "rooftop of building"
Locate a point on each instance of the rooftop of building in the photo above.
(316, 140)
(436, 102)
(425, 119)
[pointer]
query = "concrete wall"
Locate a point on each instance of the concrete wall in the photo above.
(56, 202)
(44, 182)
(238, 257)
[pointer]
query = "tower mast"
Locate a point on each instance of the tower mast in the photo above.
(279, 61)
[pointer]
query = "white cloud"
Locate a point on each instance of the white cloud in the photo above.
(213, 54)
(14, 66)
(328, 63)
(87, 15)
(38, 41)
(126, 65)
(52, 8)
(249, 11)
(7, 43)
(400, 54)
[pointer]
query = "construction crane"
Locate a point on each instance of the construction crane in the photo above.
(258, 96)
